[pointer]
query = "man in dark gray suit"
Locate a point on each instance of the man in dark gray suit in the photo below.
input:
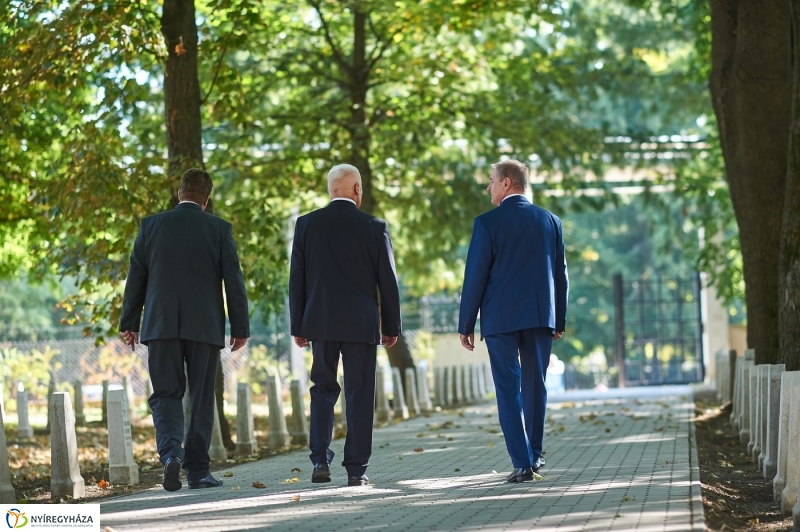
(341, 259)
(179, 262)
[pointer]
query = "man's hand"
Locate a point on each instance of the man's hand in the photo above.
(388, 341)
(300, 342)
(557, 335)
(237, 343)
(131, 338)
(468, 341)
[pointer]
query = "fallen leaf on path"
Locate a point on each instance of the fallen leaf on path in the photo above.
(228, 474)
(235, 488)
(103, 484)
(608, 430)
(296, 498)
(490, 445)
(93, 480)
(418, 450)
(259, 485)
(291, 480)
(399, 457)
(658, 429)
(537, 477)
(626, 498)
(296, 469)
(458, 469)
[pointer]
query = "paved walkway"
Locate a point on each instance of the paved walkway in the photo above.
(615, 461)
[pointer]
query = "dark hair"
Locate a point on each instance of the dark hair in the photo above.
(196, 183)
(516, 171)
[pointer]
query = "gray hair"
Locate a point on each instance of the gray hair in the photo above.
(516, 171)
(339, 172)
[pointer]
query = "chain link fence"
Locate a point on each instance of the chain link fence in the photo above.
(33, 364)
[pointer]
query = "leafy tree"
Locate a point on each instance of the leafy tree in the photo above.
(420, 96)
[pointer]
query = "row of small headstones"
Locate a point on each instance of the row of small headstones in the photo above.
(65, 475)
(765, 402)
(24, 429)
(454, 386)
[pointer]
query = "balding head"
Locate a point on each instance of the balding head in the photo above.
(344, 181)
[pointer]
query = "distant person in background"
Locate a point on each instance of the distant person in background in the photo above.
(516, 275)
(341, 259)
(180, 260)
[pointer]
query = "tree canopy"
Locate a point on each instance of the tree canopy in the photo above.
(421, 96)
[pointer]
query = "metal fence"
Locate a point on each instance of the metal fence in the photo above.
(659, 330)
(82, 360)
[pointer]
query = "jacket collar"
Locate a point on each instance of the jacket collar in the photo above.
(514, 200)
(342, 204)
(188, 205)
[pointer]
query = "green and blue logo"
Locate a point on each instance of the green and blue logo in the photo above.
(16, 518)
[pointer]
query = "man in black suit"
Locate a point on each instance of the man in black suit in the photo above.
(180, 259)
(341, 259)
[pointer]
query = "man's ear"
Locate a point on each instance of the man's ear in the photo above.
(205, 203)
(357, 188)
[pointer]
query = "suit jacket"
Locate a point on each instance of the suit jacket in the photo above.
(516, 273)
(180, 259)
(341, 259)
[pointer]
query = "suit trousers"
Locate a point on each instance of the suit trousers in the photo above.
(166, 359)
(519, 362)
(359, 361)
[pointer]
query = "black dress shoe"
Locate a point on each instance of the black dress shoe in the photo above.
(520, 474)
(538, 464)
(358, 481)
(322, 473)
(205, 482)
(172, 474)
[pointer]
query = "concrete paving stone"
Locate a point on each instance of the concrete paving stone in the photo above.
(638, 478)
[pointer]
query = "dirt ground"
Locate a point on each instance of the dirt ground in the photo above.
(30, 461)
(735, 495)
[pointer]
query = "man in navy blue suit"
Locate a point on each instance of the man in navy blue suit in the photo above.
(516, 275)
(342, 261)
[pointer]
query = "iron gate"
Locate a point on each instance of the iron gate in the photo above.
(659, 336)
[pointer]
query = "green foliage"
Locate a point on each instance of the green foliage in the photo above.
(442, 90)
(33, 369)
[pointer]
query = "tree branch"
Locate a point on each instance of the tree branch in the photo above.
(337, 54)
(216, 73)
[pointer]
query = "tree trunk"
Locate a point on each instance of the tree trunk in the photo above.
(789, 293)
(359, 128)
(751, 88)
(182, 115)
(181, 90)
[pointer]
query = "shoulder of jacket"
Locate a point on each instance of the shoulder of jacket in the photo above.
(489, 216)
(222, 222)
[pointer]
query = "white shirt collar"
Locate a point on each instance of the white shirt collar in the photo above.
(344, 199)
(187, 201)
(511, 196)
